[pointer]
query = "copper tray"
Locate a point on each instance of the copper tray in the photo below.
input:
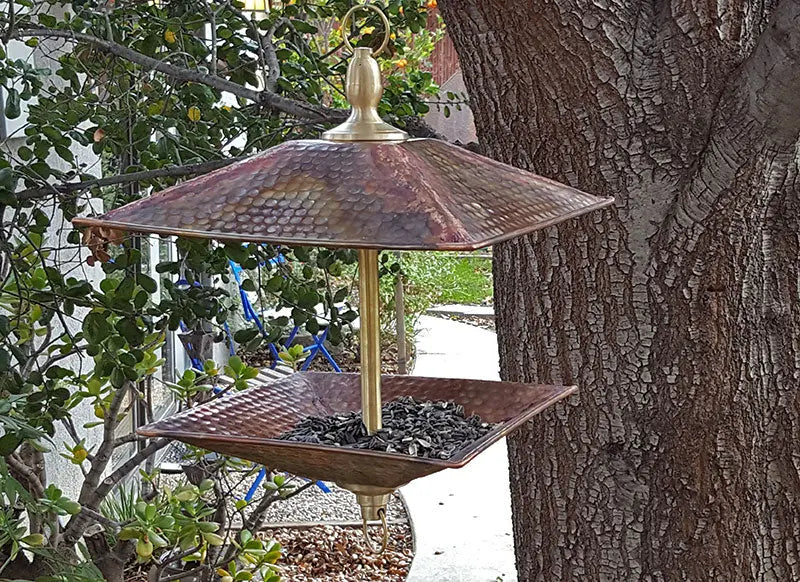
(245, 424)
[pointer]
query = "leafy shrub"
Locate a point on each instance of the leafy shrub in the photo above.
(139, 91)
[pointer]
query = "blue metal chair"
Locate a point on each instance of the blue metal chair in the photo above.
(197, 364)
(318, 345)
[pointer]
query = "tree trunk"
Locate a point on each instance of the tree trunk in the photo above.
(676, 312)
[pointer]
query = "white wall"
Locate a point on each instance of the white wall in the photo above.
(60, 471)
(460, 126)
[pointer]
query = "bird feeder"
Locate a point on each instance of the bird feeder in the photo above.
(365, 185)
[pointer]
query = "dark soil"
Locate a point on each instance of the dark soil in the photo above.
(421, 429)
(348, 359)
(333, 554)
(328, 553)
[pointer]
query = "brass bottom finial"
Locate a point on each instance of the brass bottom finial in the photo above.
(374, 502)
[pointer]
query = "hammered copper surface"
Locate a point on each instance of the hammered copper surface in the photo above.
(418, 194)
(245, 424)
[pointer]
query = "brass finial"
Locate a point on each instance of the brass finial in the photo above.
(364, 88)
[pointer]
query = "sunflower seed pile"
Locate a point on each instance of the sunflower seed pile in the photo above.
(433, 430)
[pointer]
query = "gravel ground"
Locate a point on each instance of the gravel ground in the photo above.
(312, 505)
(339, 554)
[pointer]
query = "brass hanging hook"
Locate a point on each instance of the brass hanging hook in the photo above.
(364, 88)
(384, 536)
(386, 26)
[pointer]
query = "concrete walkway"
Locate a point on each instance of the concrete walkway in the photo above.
(461, 518)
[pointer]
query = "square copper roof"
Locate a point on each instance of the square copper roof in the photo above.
(420, 194)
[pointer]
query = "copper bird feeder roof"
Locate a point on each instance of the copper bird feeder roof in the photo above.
(247, 424)
(419, 194)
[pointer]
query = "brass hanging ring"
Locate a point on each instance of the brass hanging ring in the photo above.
(386, 25)
(384, 537)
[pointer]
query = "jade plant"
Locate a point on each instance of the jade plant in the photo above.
(106, 102)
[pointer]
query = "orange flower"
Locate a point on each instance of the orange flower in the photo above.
(432, 4)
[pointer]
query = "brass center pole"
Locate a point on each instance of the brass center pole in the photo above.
(369, 312)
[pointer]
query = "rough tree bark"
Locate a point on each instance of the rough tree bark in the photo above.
(677, 312)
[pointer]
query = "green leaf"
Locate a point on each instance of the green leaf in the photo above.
(275, 283)
(96, 328)
(8, 179)
(13, 108)
(35, 539)
(236, 364)
(213, 539)
(128, 533)
(8, 443)
(303, 26)
(47, 20)
(340, 295)
(236, 252)
(128, 329)
(25, 153)
(117, 377)
(71, 507)
(299, 316)
(124, 290)
(308, 298)
(147, 283)
(140, 300)
(244, 336)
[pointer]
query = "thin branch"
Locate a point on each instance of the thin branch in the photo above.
(128, 438)
(212, 15)
(27, 473)
(69, 426)
(122, 471)
(114, 526)
(265, 97)
(186, 574)
(11, 22)
(106, 448)
(268, 46)
(174, 558)
(169, 172)
(77, 524)
(88, 496)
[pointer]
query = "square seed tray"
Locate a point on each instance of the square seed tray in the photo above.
(246, 424)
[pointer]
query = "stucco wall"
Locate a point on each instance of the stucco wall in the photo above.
(460, 126)
(59, 470)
